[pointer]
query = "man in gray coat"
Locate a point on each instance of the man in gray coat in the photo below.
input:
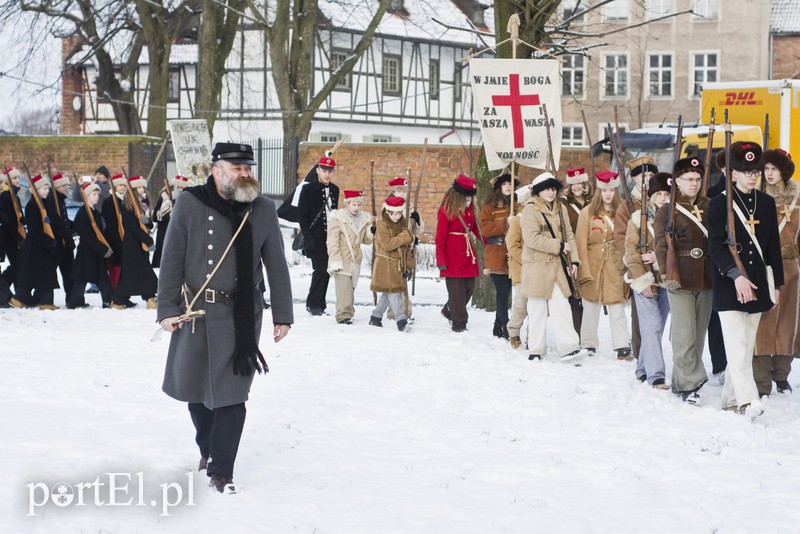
(212, 359)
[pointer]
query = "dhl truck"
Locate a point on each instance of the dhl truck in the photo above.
(749, 103)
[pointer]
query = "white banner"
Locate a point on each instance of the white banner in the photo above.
(191, 144)
(508, 96)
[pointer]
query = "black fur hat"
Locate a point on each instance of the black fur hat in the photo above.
(746, 156)
(782, 160)
(660, 181)
(685, 165)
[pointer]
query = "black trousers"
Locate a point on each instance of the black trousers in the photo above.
(79, 289)
(218, 432)
(11, 272)
(502, 289)
(65, 261)
(716, 345)
(636, 335)
(459, 291)
(319, 284)
(5, 292)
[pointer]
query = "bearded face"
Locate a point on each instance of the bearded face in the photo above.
(236, 181)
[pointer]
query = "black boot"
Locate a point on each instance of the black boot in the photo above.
(497, 331)
(504, 328)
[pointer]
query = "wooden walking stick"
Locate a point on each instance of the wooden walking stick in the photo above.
(95, 228)
(48, 230)
(709, 151)
(136, 210)
(763, 185)
(416, 197)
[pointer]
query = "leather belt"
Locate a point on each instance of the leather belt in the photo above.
(695, 253)
(215, 296)
(497, 240)
(790, 251)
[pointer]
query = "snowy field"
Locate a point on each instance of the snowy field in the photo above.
(364, 430)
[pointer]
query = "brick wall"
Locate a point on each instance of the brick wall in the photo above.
(786, 57)
(68, 154)
(443, 164)
(71, 86)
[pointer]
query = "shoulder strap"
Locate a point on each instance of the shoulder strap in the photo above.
(692, 218)
(791, 208)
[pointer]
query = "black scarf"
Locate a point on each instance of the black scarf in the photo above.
(246, 355)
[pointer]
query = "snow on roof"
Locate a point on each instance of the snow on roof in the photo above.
(785, 16)
(416, 20)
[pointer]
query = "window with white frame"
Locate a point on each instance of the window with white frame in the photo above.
(659, 75)
(570, 7)
(337, 58)
(457, 82)
(573, 75)
(329, 137)
(705, 68)
(616, 11)
(616, 75)
(433, 79)
(392, 69)
(706, 10)
(660, 8)
(572, 135)
(381, 138)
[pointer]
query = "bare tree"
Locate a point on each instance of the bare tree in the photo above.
(42, 121)
(218, 26)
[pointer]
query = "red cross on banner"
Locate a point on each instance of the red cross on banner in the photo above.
(515, 100)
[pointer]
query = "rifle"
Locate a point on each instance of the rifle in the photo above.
(168, 189)
(669, 230)
(565, 259)
(97, 231)
(591, 159)
(709, 150)
(374, 219)
(135, 204)
(416, 196)
(15, 205)
(619, 156)
(406, 301)
(55, 196)
(643, 230)
(763, 184)
(48, 230)
(733, 246)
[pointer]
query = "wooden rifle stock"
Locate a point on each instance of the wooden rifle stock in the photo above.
(168, 189)
(15, 205)
(672, 273)
(48, 230)
(97, 231)
(407, 214)
(55, 195)
(135, 204)
(733, 246)
(619, 157)
(709, 155)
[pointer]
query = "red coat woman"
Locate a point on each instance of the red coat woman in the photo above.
(456, 255)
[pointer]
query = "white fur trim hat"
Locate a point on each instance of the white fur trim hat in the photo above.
(577, 176)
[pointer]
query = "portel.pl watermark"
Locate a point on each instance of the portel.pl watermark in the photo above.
(112, 490)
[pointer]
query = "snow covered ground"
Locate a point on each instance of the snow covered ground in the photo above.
(361, 430)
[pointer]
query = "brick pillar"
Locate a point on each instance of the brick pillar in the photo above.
(72, 86)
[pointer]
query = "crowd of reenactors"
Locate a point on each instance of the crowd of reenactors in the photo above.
(113, 228)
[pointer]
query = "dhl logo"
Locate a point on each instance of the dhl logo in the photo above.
(742, 98)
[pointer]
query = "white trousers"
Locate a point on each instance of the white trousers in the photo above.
(739, 332)
(519, 311)
(560, 322)
(591, 320)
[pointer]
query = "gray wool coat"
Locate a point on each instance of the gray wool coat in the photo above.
(200, 365)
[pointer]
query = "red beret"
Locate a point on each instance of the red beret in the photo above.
(398, 181)
(352, 193)
(394, 204)
(465, 185)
